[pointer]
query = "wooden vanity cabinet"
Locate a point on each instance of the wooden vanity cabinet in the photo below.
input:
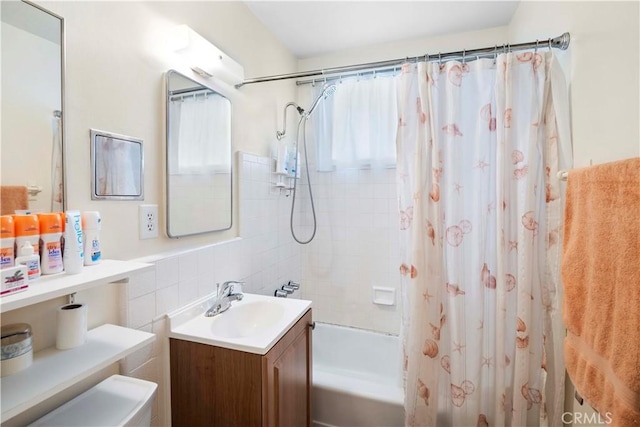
(214, 386)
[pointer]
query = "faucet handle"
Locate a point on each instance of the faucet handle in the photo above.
(294, 285)
(234, 286)
(223, 289)
(280, 293)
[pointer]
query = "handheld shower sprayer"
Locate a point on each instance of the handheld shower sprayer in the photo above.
(327, 91)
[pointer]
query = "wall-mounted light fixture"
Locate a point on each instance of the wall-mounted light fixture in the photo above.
(203, 57)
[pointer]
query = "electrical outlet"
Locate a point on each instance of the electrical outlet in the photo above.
(148, 221)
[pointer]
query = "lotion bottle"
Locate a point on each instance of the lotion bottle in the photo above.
(73, 258)
(91, 225)
(29, 259)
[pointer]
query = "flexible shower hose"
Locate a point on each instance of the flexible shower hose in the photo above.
(302, 124)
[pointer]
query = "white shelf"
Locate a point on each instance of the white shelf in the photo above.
(56, 285)
(286, 175)
(54, 370)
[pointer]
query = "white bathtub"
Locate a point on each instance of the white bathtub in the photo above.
(357, 380)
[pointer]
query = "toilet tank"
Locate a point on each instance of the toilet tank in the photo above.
(118, 401)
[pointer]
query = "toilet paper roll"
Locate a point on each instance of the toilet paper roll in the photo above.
(72, 326)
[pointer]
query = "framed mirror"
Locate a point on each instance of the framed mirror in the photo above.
(199, 166)
(32, 135)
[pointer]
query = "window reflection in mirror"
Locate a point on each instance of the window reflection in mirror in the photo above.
(198, 158)
(32, 102)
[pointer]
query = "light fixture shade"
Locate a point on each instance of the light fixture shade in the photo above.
(203, 57)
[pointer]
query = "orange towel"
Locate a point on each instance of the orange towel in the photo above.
(12, 198)
(601, 275)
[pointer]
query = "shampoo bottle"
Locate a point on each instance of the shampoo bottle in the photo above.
(73, 257)
(282, 166)
(29, 259)
(91, 225)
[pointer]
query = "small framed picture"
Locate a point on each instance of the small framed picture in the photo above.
(117, 166)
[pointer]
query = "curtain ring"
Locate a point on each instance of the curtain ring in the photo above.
(340, 78)
(504, 48)
(536, 49)
(508, 47)
(549, 45)
(313, 83)
(464, 56)
(495, 52)
(374, 74)
(439, 58)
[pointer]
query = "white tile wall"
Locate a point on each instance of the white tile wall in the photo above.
(355, 249)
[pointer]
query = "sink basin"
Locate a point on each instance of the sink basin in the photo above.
(253, 325)
(248, 319)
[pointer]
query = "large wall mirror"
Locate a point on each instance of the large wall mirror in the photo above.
(31, 143)
(198, 158)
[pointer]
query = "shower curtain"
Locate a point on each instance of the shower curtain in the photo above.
(200, 125)
(56, 164)
(479, 145)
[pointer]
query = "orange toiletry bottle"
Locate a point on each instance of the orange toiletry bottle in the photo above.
(27, 230)
(50, 243)
(7, 241)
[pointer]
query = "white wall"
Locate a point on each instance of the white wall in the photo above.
(601, 65)
(116, 60)
(30, 94)
(407, 48)
(114, 81)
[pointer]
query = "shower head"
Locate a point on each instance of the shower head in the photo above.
(327, 91)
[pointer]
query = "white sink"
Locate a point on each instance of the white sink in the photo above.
(253, 324)
(247, 320)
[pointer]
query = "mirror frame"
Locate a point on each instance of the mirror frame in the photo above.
(138, 169)
(166, 157)
(63, 120)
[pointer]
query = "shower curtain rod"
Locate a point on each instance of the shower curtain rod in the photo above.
(560, 42)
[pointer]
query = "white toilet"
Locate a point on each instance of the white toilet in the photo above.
(117, 401)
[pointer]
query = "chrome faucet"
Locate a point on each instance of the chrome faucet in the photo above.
(227, 292)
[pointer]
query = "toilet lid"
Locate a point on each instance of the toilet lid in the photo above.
(113, 402)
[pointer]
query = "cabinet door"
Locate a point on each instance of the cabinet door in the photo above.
(287, 378)
(214, 387)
